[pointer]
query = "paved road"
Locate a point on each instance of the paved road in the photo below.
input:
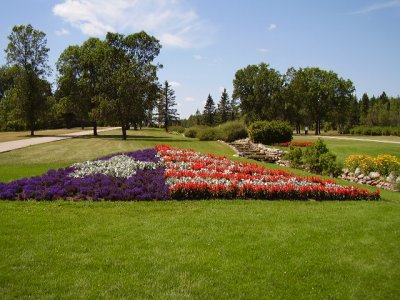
(352, 139)
(12, 145)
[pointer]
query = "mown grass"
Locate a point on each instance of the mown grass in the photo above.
(200, 250)
(344, 147)
(190, 249)
(20, 135)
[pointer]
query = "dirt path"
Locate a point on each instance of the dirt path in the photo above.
(352, 139)
(12, 145)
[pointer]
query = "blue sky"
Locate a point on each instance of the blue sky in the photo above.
(206, 42)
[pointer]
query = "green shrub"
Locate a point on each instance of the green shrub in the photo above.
(209, 134)
(192, 132)
(376, 130)
(179, 129)
(318, 159)
(295, 156)
(270, 132)
(232, 131)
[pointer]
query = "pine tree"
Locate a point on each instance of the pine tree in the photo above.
(198, 117)
(223, 110)
(166, 112)
(209, 111)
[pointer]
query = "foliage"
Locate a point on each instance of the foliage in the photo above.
(233, 130)
(295, 157)
(270, 132)
(209, 134)
(177, 128)
(384, 164)
(223, 111)
(318, 159)
(209, 112)
(27, 52)
(258, 87)
(166, 113)
(375, 130)
(191, 132)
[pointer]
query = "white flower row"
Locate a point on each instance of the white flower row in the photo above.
(117, 166)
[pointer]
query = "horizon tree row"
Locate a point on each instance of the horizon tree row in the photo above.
(309, 97)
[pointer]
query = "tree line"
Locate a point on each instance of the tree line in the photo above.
(305, 97)
(112, 81)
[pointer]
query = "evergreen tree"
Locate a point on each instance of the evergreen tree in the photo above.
(167, 113)
(223, 110)
(364, 107)
(209, 111)
(198, 117)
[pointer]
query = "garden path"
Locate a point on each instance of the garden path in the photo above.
(352, 139)
(12, 145)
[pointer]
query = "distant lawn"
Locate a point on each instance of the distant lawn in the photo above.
(190, 249)
(200, 250)
(344, 147)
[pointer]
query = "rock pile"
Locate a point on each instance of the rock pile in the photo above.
(373, 178)
(259, 152)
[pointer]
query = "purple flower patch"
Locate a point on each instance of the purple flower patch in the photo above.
(146, 184)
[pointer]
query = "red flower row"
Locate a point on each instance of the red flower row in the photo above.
(192, 175)
(296, 144)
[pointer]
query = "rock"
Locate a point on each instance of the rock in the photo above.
(398, 180)
(361, 176)
(391, 178)
(357, 172)
(374, 175)
(367, 178)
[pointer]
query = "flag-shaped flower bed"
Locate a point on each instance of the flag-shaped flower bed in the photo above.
(191, 175)
(171, 173)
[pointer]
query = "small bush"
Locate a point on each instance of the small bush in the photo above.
(318, 159)
(295, 156)
(179, 129)
(192, 132)
(232, 131)
(270, 132)
(209, 134)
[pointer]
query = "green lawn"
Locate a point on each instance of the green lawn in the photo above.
(345, 147)
(190, 249)
(20, 135)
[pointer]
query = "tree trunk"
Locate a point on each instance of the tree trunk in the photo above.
(32, 131)
(135, 126)
(124, 132)
(95, 129)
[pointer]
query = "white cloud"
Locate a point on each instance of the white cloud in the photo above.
(271, 27)
(174, 84)
(62, 31)
(378, 6)
(189, 99)
(262, 50)
(198, 57)
(169, 20)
